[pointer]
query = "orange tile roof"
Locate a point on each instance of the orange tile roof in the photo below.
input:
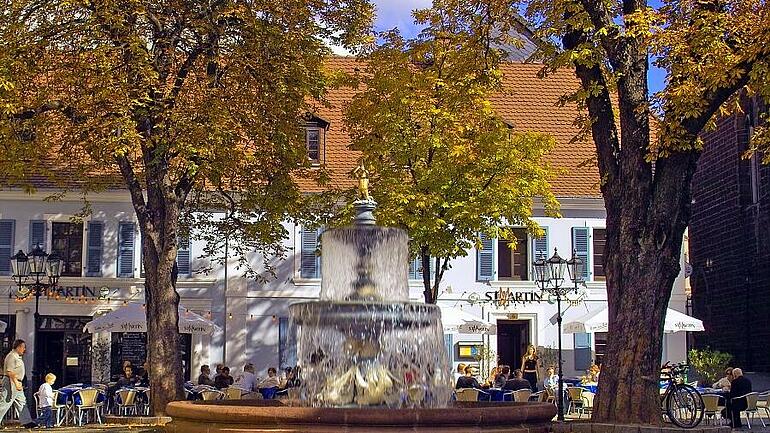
(528, 103)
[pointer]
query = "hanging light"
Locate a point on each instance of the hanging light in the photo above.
(37, 267)
(556, 267)
(541, 270)
(20, 267)
(54, 267)
(575, 268)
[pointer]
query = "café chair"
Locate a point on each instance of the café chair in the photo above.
(751, 407)
(126, 402)
(85, 401)
(763, 403)
(711, 408)
(588, 403)
(467, 394)
(522, 395)
(212, 395)
(575, 398)
(233, 393)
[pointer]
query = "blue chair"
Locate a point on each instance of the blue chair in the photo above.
(268, 393)
(496, 395)
(484, 396)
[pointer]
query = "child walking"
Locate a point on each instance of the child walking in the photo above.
(45, 397)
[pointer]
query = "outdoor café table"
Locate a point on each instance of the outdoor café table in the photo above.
(592, 386)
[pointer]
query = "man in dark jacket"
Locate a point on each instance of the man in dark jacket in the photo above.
(518, 382)
(467, 381)
(739, 387)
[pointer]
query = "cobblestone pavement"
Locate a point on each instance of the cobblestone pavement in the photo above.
(91, 429)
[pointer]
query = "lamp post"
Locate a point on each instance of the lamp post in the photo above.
(35, 274)
(549, 277)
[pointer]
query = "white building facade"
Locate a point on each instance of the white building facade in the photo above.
(102, 272)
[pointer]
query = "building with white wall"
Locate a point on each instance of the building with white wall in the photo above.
(103, 271)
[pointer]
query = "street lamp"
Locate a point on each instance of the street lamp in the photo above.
(30, 272)
(549, 277)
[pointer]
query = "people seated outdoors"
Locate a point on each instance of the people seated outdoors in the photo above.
(739, 387)
(128, 379)
(551, 380)
(293, 379)
(45, 399)
(144, 375)
(247, 380)
(271, 381)
(223, 380)
(467, 381)
(502, 377)
(518, 382)
(460, 372)
(724, 383)
(204, 378)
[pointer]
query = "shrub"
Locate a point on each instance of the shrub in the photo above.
(709, 364)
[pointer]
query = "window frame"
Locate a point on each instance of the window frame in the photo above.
(523, 243)
(83, 247)
(320, 151)
(594, 275)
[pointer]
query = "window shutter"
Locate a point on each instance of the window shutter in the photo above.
(582, 351)
(485, 259)
(183, 257)
(126, 242)
(37, 235)
(310, 262)
(7, 231)
(580, 245)
(94, 256)
(415, 268)
(540, 245)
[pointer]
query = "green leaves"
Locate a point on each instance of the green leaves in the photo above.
(444, 165)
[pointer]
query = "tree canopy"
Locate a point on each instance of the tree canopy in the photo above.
(188, 105)
(446, 166)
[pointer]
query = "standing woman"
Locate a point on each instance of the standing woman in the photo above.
(529, 366)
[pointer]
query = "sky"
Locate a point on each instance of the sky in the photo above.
(398, 13)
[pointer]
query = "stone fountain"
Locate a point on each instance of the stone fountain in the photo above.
(370, 359)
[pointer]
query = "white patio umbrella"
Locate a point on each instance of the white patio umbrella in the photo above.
(132, 318)
(598, 322)
(457, 321)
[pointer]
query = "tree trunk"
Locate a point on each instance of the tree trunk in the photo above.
(430, 297)
(162, 307)
(158, 216)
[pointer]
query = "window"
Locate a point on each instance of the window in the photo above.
(513, 263)
(7, 231)
(599, 241)
(313, 143)
(582, 351)
(94, 257)
(310, 260)
(126, 244)
(485, 259)
(67, 242)
(183, 257)
(415, 268)
(580, 240)
(600, 347)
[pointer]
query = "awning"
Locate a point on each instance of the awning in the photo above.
(132, 318)
(457, 321)
(598, 322)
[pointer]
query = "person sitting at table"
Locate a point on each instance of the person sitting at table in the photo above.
(204, 378)
(224, 379)
(271, 381)
(739, 387)
(246, 380)
(518, 382)
(144, 375)
(502, 377)
(724, 383)
(551, 380)
(467, 381)
(493, 372)
(460, 372)
(128, 379)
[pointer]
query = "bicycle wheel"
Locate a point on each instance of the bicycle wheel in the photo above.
(684, 406)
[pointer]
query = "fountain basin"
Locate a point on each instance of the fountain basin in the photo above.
(275, 416)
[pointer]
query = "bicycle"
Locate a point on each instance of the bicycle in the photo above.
(682, 402)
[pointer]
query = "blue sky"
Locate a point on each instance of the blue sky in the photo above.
(398, 13)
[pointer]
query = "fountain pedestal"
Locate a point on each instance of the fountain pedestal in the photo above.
(253, 416)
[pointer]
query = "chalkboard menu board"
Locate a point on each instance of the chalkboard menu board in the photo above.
(128, 346)
(132, 346)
